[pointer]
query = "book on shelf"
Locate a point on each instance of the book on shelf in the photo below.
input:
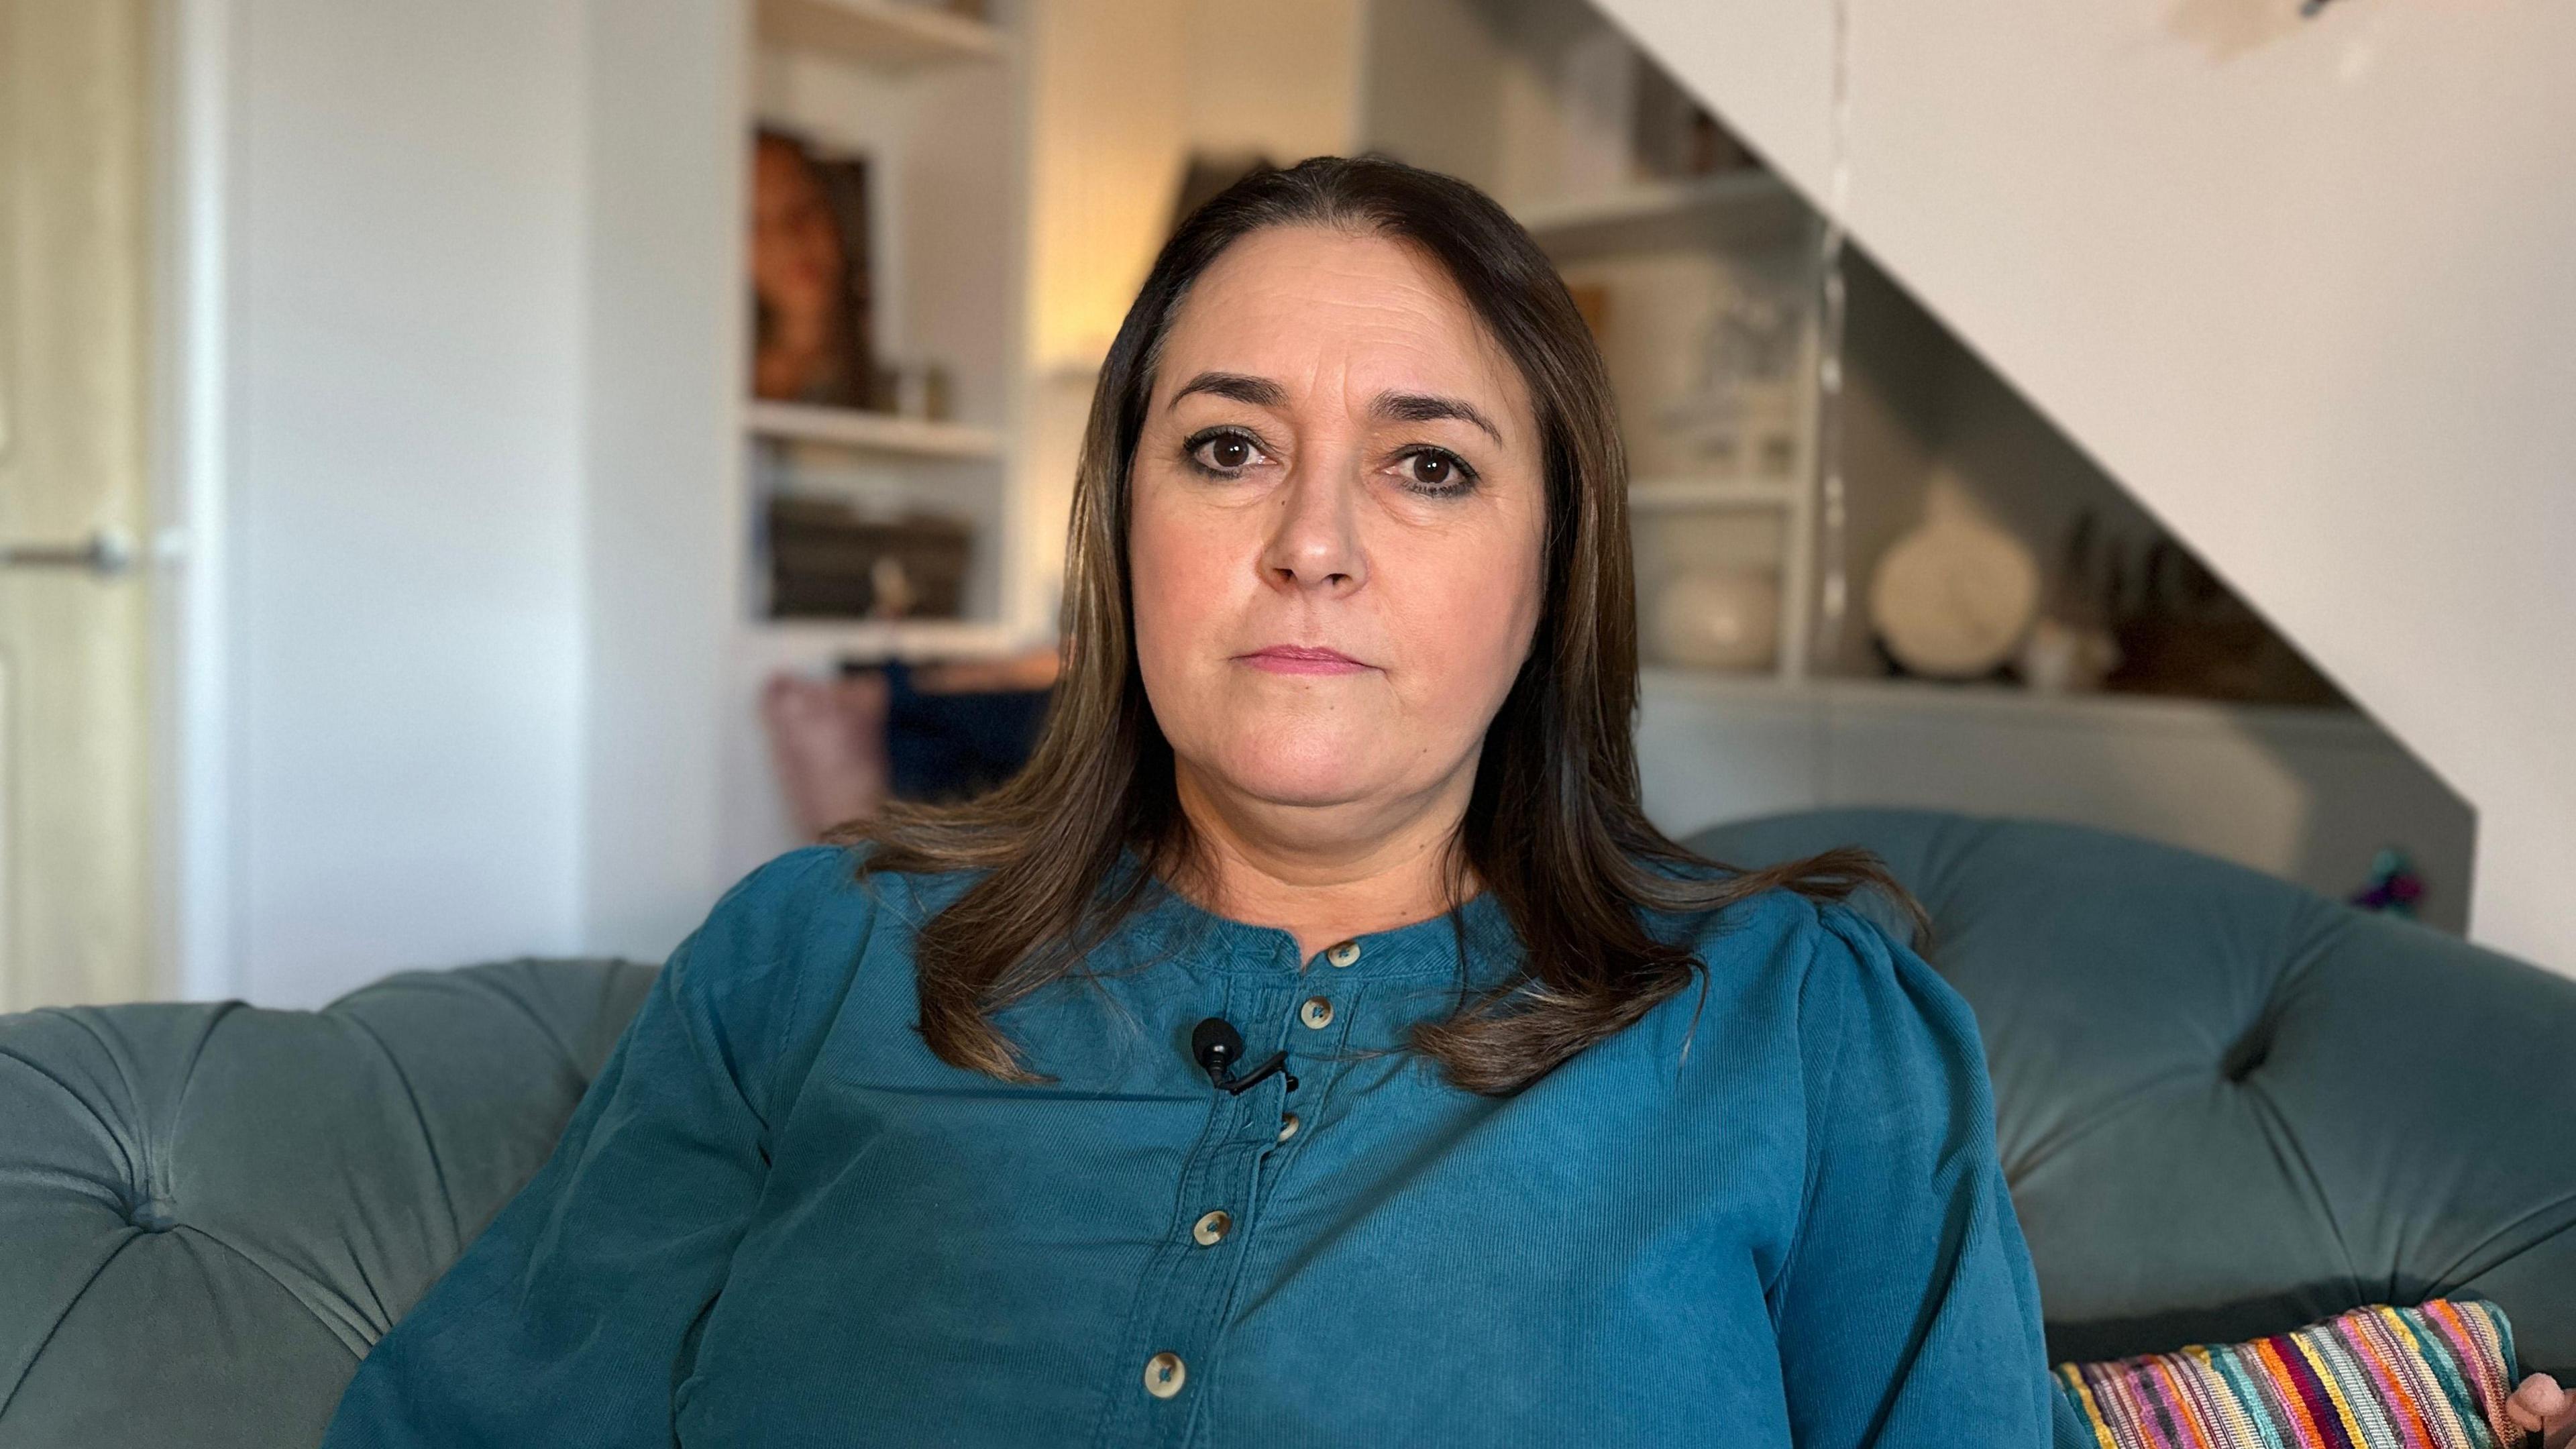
(827, 560)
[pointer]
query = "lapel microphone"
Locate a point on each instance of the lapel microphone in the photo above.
(1218, 1046)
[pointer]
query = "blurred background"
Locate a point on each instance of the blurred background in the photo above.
(477, 478)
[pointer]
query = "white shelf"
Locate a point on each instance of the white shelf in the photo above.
(877, 34)
(2304, 793)
(872, 432)
(1730, 208)
(816, 645)
(1651, 494)
(2097, 708)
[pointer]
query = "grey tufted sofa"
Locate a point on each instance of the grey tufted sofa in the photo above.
(209, 1212)
(2226, 1107)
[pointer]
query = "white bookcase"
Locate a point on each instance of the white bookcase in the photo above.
(936, 102)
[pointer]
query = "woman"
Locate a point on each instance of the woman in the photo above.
(1314, 1045)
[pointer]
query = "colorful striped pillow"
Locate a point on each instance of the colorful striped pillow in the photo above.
(2433, 1377)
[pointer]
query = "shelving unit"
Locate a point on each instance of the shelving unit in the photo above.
(1748, 222)
(938, 104)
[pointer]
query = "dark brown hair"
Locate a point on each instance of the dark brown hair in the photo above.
(1553, 826)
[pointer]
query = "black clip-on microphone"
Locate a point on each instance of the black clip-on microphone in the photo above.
(1218, 1046)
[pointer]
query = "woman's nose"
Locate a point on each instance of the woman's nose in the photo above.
(1314, 537)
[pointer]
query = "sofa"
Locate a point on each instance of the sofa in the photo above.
(2226, 1107)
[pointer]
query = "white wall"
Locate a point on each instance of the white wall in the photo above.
(401, 394)
(663, 520)
(2302, 286)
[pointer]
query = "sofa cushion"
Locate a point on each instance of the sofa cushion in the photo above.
(211, 1211)
(2227, 1106)
(2435, 1376)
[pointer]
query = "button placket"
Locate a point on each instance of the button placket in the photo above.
(1170, 1337)
(1188, 1290)
(1256, 1257)
(1239, 1237)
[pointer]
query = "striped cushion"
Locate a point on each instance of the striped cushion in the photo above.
(2433, 1377)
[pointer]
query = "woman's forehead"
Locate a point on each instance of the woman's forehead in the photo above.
(1306, 307)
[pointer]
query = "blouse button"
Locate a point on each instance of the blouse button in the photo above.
(1287, 1126)
(1317, 1012)
(1164, 1373)
(1343, 954)
(1211, 1227)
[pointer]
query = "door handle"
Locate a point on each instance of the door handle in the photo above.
(106, 553)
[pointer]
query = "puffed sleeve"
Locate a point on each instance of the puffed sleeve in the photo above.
(1907, 1308)
(570, 1319)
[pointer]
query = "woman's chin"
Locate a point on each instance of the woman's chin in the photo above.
(1280, 778)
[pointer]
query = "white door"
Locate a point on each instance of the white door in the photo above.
(75, 847)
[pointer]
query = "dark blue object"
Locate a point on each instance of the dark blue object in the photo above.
(949, 746)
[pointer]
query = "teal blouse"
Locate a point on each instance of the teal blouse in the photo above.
(1770, 1217)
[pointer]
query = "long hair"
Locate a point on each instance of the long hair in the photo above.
(1553, 826)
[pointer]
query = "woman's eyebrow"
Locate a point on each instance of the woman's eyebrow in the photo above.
(1392, 407)
(1258, 392)
(1423, 407)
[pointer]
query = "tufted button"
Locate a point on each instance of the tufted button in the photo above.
(1342, 954)
(1317, 1012)
(1212, 1227)
(1287, 1126)
(2247, 1052)
(1164, 1374)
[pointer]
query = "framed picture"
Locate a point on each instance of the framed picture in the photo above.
(812, 289)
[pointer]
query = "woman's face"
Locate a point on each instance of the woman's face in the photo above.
(1336, 456)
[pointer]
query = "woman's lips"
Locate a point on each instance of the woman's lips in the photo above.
(1290, 659)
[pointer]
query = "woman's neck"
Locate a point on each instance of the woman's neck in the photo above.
(1324, 874)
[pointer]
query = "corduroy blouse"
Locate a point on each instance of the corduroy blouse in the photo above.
(1769, 1217)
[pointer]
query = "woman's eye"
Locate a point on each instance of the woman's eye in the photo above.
(1223, 453)
(1434, 470)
